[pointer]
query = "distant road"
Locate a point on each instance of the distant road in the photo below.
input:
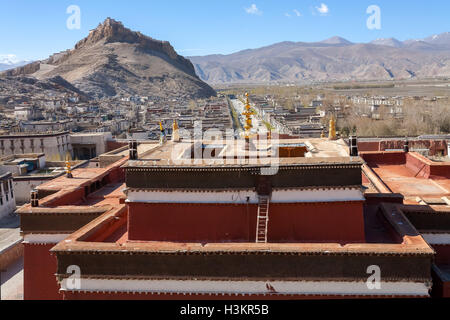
(239, 107)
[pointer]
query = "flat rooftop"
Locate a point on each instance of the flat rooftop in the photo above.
(417, 178)
(221, 153)
(143, 148)
(401, 179)
(88, 134)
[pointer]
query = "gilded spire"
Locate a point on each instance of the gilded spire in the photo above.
(175, 134)
(69, 170)
(332, 131)
(162, 136)
(248, 113)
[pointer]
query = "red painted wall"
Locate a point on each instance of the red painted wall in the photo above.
(116, 175)
(425, 168)
(369, 146)
(442, 254)
(416, 164)
(191, 222)
(317, 222)
(39, 281)
(66, 198)
(384, 158)
(434, 146)
(420, 166)
(113, 145)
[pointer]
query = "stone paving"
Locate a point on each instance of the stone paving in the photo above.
(11, 279)
(9, 231)
(11, 287)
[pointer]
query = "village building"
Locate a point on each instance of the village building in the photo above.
(55, 145)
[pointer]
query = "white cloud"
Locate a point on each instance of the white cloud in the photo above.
(190, 50)
(297, 13)
(9, 58)
(253, 10)
(323, 9)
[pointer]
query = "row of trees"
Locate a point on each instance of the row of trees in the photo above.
(418, 118)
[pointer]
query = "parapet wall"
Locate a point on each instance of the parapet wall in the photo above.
(419, 165)
(435, 147)
(385, 158)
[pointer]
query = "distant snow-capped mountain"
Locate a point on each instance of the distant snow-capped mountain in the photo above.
(391, 42)
(10, 61)
(334, 59)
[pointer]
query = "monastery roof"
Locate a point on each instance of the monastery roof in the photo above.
(319, 152)
(418, 179)
(68, 204)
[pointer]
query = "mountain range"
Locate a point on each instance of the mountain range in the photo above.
(113, 60)
(334, 59)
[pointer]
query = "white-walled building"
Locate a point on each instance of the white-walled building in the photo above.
(7, 196)
(54, 145)
(89, 145)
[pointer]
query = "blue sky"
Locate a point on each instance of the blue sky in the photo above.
(35, 29)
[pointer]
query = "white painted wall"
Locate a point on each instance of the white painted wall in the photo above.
(193, 197)
(22, 189)
(44, 238)
(99, 139)
(48, 145)
(437, 238)
(9, 203)
(251, 287)
(278, 196)
(42, 162)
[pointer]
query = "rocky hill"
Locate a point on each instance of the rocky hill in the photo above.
(113, 60)
(335, 59)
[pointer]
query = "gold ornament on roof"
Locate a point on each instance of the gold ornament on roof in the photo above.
(248, 113)
(332, 131)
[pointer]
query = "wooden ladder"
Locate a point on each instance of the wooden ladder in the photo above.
(263, 219)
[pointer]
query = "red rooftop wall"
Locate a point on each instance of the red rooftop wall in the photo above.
(419, 165)
(316, 222)
(39, 281)
(435, 147)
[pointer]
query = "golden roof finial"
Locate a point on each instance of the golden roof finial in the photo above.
(68, 170)
(248, 113)
(332, 132)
